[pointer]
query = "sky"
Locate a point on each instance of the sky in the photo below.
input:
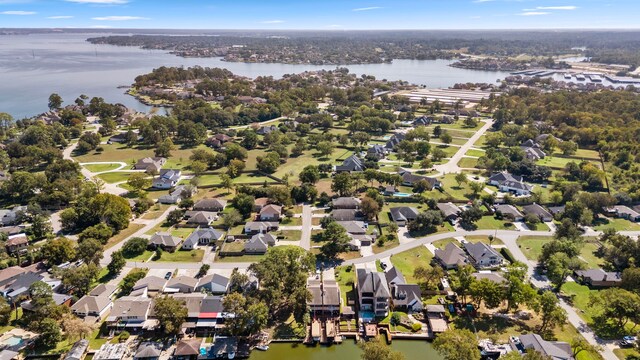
(321, 14)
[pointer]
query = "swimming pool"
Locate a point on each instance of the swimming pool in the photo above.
(12, 341)
(400, 194)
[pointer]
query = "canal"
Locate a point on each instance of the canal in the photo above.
(412, 349)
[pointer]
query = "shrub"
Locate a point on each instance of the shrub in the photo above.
(416, 327)
(124, 336)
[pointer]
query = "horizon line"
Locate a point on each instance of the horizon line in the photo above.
(106, 29)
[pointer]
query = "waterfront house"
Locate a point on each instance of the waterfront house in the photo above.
(325, 297)
(167, 179)
(187, 349)
(510, 183)
(509, 212)
(78, 350)
(259, 243)
(149, 350)
(107, 290)
(556, 350)
(436, 318)
(270, 213)
(17, 244)
(94, 307)
(350, 164)
(405, 297)
(598, 277)
(111, 351)
(374, 296)
(452, 257)
(260, 227)
(449, 211)
(482, 255)
(403, 215)
(210, 205)
(346, 203)
(543, 214)
(165, 241)
(150, 164)
(150, 285)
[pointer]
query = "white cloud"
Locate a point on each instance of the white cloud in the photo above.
(556, 7)
(60, 17)
(119, 18)
(272, 22)
(533, 13)
(100, 2)
(18, 12)
(367, 8)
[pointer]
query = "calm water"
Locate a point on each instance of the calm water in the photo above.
(34, 66)
(347, 350)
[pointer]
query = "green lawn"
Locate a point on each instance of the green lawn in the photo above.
(558, 162)
(483, 239)
(133, 228)
(94, 168)
(481, 141)
(142, 257)
(182, 232)
(476, 153)
(451, 187)
(407, 261)
(119, 152)
(345, 280)
(531, 246)
(243, 258)
(468, 163)
(491, 223)
(289, 235)
(441, 244)
(616, 224)
(292, 221)
(182, 256)
(115, 177)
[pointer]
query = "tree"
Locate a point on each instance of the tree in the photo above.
(342, 184)
(470, 216)
(175, 216)
(203, 270)
(117, 263)
(80, 278)
(376, 349)
(198, 168)
(446, 138)
(428, 277)
(138, 181)
(476, 188)
(369, 208)
(129, 281)
(76, 328)
(457, 344)
(580, 344)
(55, 102)
(325, 148)
(100, 232)
(560, 266)
(487, 291)
(551, 313)
(462, 280)
(58, 250)
(226, 182)
(134, 247)
(170, 313)
(460, 179)
(336, 240)
(50, 334)
(244, 204)
(5, 312)
(615, 304)
(269, 163)
(427, 221)
(250, 316)
(165, 148)
(90, 251)
(231, 218)
(309, 175)
(568, 147)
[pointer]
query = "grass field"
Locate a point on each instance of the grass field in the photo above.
(616, 224)
(115, 177)
(491, 223)
(468, 163)
(182, 256)
(345, 280)
(118, 152)
(243, 258)
(531, 247)
(558, 162)
(94, 168)
(289, 235)
(407, 261)
(474, 152)
(123, 234)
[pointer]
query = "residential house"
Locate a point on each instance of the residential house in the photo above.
(270, 213)
(107, 290)
(555, 210)
(351, 164)
(202, 236)
(18, 285)
(556, 350)
(132, 314)
(325, 297)
(13, 216)
(11, 230)
(482, 255)
(17, 244)
(346, 203)
(394, 140)
(165, 241)
(9, 274)
(346, 215)
(543, 214)
(218, 140)
(491, 276)
(58, 299)
(452, 257)
(423, 121)
(510, 183)
(94, 307)
(449, 211)
(359, 240)
(353, 227)
(6, 354)
(181, 284)
(410, 179)
(259, 203)
(150, 285)
(509, 212)
(215, 284)
(187, 349)
(390, 190)
(598, 277)
(111, 351)
(532, 150)
(150, 164)
(266, 130)
(177, 194)
(259, 243)
(167, 179)
(624, 212)
(78, 350)
(210, 205)
(436, 318)
(260, 227)
(148, 350)
(201, 218)
(543, 137)
(403, 215)
(407, 297)
(374, 296)
(376, 151)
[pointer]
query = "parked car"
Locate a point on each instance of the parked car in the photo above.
(626, 344)
(167, 276)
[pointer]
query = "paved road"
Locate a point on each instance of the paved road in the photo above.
(170, 266)
(452, 165)
(307, 222)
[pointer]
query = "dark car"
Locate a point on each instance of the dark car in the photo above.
(167, 276)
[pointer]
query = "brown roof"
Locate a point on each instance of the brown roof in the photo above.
(18, 240)
(261, 201)
(10, 272)
(188, 347)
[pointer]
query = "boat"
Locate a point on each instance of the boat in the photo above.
(262, 347)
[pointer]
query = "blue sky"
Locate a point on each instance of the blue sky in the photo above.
(322, 14)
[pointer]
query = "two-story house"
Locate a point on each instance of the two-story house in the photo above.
(374, 295)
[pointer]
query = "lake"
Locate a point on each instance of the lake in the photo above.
(34, 66)
(347, 350)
